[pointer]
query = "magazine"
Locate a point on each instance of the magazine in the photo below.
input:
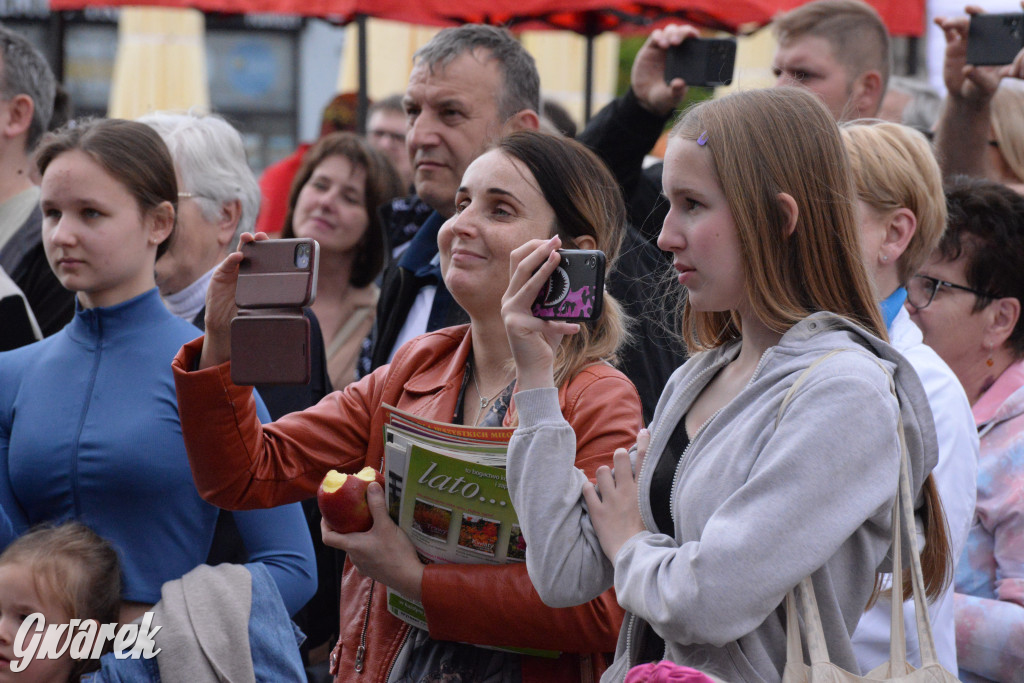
(446, 489)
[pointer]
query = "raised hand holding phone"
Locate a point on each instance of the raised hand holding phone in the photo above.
(532, 340)
(220, 305)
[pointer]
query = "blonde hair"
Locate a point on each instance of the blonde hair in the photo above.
(586, 200)
(894, 167)
(1007, 116)
(763, 143)
(78, 568)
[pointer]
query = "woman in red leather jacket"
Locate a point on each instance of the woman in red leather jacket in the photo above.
(531, 186)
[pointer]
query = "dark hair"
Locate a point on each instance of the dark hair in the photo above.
(559, 117)
(131, 152)
(25, 71)
(382, 185)
(75, 565)
(586, 200)
(986, 227)
(63, 109)
(520, 79)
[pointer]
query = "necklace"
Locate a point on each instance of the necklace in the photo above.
(484, 402)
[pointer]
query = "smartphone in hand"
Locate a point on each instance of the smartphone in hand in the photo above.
(270, 335)
(994, 39)
(575, 291)
(702, 61)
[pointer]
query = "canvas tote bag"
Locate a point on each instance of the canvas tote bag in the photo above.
(821, 669)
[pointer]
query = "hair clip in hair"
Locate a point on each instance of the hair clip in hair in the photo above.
(703, 139)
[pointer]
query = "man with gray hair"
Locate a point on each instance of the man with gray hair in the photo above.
(469, 85)
(27, 91)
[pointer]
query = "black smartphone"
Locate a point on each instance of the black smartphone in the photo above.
(575, 291)
(994, 39)
(270, 335)
(702, 61)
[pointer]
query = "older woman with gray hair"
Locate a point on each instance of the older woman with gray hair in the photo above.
(218, 200)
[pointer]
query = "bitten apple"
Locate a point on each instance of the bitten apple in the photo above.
(342, 500)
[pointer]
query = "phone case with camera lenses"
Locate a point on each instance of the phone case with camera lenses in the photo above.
(278, 273)
(575, 291)
(994, 39)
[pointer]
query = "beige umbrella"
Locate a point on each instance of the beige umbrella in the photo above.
(160, 62)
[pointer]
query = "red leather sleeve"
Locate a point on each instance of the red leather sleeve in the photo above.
(238, 463)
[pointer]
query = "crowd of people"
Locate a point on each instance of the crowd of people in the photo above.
(805, 307)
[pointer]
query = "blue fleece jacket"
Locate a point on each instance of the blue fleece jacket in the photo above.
(89, 430)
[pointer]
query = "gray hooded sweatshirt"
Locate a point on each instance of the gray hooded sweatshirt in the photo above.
(755, 509)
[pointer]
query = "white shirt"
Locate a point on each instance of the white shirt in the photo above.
(955, 476)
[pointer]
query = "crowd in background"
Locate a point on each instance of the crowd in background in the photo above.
(819, 287)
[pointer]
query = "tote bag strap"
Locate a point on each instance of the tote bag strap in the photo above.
(902, 514)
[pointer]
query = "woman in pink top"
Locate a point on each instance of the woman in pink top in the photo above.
(967, 301)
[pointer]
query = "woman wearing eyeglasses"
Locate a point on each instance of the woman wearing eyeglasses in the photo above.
(967, 301)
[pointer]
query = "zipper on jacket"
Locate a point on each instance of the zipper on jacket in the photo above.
(629, 641)
(361, 650)
(76, 497)
(643, 465)
(686, 451)
(401, 646)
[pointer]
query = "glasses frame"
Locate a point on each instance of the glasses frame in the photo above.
(937, 284)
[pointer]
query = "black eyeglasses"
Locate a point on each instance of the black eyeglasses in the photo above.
(922, 289)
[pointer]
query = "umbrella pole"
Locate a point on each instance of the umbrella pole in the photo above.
(588, 80)
(363, 102)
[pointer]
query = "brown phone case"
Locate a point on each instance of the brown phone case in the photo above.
(270, 348)
(278, 273)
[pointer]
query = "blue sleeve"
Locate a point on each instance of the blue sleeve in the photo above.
(279, 538)
(261, 408)
(12, 517)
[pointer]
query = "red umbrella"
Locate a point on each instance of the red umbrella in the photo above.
(587, 17)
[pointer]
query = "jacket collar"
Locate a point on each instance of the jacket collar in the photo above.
(91, 325)
(451, 367)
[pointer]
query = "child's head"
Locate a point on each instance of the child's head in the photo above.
(65, 572)
(783, 171)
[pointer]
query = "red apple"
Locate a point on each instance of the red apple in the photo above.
(342, 500)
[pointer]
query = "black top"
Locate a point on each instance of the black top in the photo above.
(664, 474)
